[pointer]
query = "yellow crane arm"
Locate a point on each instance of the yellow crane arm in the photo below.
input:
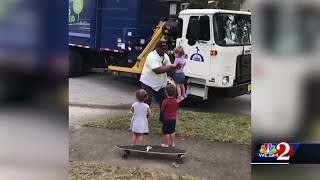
(137, 68)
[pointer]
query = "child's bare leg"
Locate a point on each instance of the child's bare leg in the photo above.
(164, 144)
(138, 139)
(134, 139)
(183, 90)
(178, 89)
(169, 140)
(141, 139)
(166, 140)
(173, 139)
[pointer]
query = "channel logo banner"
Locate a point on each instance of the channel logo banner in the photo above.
(287, 153)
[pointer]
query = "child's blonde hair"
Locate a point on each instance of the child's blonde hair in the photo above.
(179, 50)
(141, 95)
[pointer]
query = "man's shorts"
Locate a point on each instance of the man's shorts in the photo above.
(169, 126)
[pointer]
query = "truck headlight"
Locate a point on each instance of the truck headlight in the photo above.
(225, 80)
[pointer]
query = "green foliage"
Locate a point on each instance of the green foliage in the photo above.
(231, 4)
(223, 4)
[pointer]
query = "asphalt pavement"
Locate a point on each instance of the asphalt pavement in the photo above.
(117, 92)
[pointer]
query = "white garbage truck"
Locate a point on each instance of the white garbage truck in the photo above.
(217, 45)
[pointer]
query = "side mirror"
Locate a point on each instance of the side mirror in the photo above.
(195, 29)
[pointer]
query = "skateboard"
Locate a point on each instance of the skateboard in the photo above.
(152, 149)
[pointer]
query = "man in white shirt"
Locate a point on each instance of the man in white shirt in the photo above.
(154, 74)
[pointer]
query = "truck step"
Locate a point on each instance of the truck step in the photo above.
(197, 87)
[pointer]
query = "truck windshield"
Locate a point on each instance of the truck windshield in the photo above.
(232, 29)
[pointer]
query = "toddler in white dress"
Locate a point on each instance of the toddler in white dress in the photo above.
(139, 120)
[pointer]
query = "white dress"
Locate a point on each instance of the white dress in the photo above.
(139, 121)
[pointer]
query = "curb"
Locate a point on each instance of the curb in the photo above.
(105, 106)
(101, 106)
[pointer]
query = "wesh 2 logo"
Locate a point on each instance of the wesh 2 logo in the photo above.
(282, 151)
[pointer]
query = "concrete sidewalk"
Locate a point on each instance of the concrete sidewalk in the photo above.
(213, 160)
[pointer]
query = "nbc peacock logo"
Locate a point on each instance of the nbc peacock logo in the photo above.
(268, 150)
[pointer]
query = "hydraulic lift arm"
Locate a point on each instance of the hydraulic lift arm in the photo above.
(137, 68)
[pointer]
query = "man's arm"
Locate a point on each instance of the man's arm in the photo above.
(166, 67)
(163, 69)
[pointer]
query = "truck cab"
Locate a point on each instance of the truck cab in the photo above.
(217, 46)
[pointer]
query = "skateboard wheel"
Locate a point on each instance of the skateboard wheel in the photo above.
(124, 156)
(127, 152)
(180, 161)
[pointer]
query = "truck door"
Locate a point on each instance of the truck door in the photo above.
(198, 55)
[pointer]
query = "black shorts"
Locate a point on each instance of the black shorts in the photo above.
(169, 126)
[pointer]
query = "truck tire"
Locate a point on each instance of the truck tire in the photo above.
(171, 78)
(75, 64)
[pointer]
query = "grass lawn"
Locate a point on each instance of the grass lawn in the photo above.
(223, 127)
(84, 171)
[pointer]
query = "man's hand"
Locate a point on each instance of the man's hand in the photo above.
(176, 66)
